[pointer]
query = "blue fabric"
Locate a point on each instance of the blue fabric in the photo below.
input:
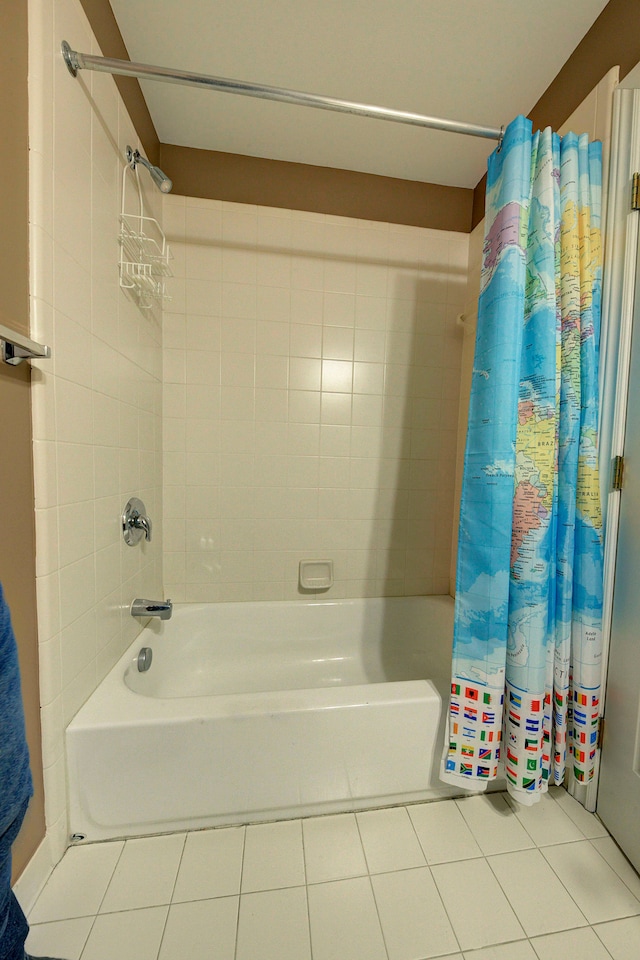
(527, 639)
(15, 775)
(15, 785)
(13, 924)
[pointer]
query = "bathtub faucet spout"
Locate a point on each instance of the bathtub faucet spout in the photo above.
(152, 608)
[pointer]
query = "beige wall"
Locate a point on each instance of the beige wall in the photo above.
(17, 573)
(17, 546)
(97, 403)
(310, 402)
(14, 182)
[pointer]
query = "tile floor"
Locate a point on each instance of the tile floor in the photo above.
(475, 879)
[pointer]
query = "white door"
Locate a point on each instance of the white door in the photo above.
(619, 789)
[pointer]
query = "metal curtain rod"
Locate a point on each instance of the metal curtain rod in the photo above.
(84, 61)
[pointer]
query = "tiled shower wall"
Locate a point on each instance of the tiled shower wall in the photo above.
(311, 385)
(97, 402)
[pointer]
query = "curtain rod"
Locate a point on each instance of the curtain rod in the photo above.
(125, 68)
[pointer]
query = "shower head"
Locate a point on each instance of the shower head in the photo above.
(160, 179)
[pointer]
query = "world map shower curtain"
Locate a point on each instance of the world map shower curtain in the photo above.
(527, 637)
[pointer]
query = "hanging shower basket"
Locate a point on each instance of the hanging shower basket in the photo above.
(144, 253)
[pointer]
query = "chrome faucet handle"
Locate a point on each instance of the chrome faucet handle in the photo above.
(142, 523)
(135, 522)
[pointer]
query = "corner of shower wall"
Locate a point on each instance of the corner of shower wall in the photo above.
(311, 402)
(97, 403)
(469, 320)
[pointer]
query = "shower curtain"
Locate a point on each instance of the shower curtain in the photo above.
(527, 638)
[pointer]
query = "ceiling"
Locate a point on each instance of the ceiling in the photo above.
(477, 62)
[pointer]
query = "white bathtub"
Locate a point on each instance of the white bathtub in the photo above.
(264, 711)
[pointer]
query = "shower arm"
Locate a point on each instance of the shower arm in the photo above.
(144, 71)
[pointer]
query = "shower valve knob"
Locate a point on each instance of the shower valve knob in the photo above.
(135, 522)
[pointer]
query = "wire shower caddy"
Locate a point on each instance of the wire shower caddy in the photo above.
(144, 252)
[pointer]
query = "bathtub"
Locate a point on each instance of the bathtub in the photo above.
(264, 711)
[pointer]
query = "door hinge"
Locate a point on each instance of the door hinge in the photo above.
(635, 192)
(617, 475)
(600, 733)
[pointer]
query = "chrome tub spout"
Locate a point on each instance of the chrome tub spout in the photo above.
(152, 608)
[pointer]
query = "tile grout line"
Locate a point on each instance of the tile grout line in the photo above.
(97, 913)
(594, 928)
(622, 880)
(586, 840)
(435, 883)
(370, 876)
(373, 893)
(586, 923)
(244, 844)
(173, 890)
(537, 847)
(306, 887)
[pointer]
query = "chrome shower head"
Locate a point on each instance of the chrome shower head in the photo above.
(160, 178)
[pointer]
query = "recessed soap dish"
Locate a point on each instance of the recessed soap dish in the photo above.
(316, 574)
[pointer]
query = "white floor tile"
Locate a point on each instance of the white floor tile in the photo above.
(344, 921)
(582, 944)
(586, 822)
(598, 891)
(414, 922)
(504, 951)
(621, 937)
(545, 822)
(443, 832)
(477, 908)
(134, 935)
(145, 875)
(332, 848)
(78, 884)
(541, 903)
(111, 900)
(211, 865)
(273, 856)
(389, 840)
(274, 925)
(494, 825)
(66, 938)
(611, 852)
(201, 930)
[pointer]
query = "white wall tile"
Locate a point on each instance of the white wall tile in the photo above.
(95, 391)
(318, 308)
